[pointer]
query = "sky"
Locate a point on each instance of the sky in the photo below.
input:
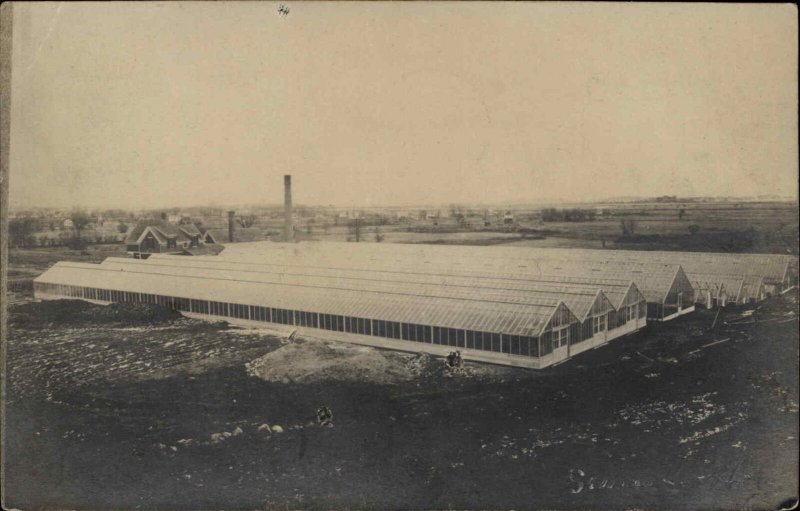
(150, 104)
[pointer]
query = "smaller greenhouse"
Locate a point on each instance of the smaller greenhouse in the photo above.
(668, 291)
(779, 272)
(666, 287)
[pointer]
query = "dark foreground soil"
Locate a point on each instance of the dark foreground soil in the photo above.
(142, 409)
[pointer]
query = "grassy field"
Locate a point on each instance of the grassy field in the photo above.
(770, 227)
(717, 226)
(111, 407)
(25, 264)
(42, 258)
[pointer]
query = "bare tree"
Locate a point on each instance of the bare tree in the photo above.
(247, 220)
(455, 210)
(628, 227)
(355, 229)
(20, 230)
(80, 219)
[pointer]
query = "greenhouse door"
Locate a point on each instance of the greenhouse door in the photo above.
(560, 344)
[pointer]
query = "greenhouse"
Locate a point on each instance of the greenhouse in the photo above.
(484, 326)
(601, 319)
(779, 272)
(519, 306)
(668, 291)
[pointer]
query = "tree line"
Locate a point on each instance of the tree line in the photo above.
(568, 215)
(22, 232)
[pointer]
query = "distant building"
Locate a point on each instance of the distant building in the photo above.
(157, 236)
(350, 215)
(242, 234)
(667, 198)
(508, 218)
(403, 215)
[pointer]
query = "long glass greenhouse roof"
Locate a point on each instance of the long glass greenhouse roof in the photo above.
(400, 305)
(580, 298)
(654, 280)
(772, 267)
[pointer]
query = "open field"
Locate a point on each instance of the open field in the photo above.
(725, 226)
(25, 264)
(36, 260)
(117, 407)
(42, 258)
(717, 226)
(392, 235)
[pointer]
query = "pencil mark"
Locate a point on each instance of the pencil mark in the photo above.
(46, 37)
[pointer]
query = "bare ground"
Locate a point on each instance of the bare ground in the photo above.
(108, 408)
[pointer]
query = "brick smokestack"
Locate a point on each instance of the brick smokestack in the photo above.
(288, 227)
(231, 226)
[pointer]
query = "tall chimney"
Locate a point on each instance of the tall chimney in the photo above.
(231, 226)
(288, 228)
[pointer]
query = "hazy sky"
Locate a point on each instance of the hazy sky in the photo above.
(161, 104)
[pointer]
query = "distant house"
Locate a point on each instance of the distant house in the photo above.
(350, 215)
(475, 221)
(156, 236)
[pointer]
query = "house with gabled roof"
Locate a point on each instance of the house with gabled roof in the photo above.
(158, 236)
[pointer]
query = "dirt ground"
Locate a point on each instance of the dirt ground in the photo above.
(115, 408)
(316, 362)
